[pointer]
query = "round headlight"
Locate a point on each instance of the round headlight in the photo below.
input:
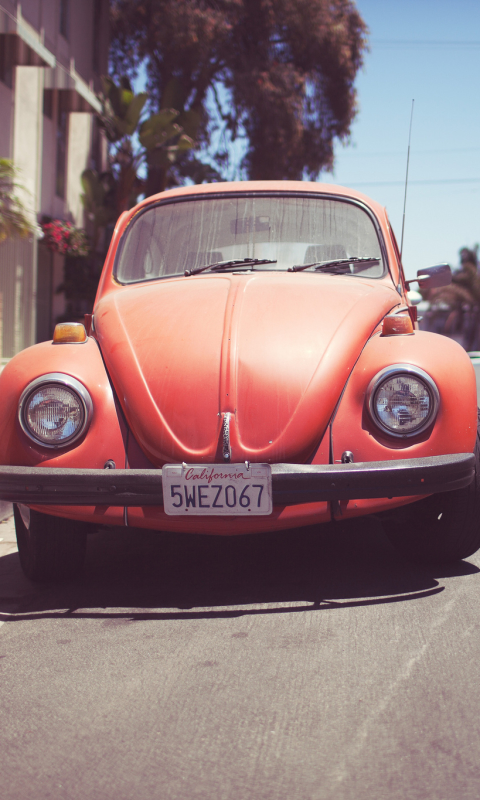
(403, 400)
(55, 410)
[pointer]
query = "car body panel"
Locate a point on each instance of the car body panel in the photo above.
(273, 350)
(288, 355)
(455, 428)
(102, 441)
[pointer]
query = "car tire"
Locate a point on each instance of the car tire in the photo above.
(442, 528)
(50, 548)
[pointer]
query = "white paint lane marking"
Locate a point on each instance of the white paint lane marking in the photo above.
(341, 771)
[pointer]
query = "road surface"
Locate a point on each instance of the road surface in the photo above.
(290, 666)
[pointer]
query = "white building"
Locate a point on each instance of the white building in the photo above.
(52, 55)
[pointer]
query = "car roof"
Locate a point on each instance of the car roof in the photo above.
(266, 186)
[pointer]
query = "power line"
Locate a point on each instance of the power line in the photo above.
(417, 183)
(401, 153)
(467, 43)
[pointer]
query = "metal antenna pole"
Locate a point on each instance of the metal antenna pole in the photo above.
(406, 180)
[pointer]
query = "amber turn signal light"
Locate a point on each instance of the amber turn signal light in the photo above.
(397, 325)
(69, 333)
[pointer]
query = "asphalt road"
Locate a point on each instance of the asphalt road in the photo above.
(291, 666)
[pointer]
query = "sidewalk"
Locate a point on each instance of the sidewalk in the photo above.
(8, 541)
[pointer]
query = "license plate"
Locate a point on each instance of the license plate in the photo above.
(217, 489)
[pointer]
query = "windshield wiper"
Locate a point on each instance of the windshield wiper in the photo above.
(339, 262)
(235, 263)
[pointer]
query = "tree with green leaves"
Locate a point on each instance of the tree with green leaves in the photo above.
(159, 140)
(278, 74)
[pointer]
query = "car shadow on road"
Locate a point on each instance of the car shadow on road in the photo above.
(148, 575)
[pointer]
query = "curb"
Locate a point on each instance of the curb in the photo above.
(6, 510)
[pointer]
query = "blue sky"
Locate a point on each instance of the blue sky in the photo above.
(429, 51)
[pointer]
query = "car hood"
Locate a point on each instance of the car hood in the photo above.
(271, 350)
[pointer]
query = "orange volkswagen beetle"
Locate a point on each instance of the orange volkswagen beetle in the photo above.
(252, 363)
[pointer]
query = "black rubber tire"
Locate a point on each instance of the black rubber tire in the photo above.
(51, 548)
(442, 528)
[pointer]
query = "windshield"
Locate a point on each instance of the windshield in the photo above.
(172, 238)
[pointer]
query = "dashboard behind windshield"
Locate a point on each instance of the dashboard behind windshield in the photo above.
(170, 238)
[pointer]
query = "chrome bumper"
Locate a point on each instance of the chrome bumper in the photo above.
(291, 483)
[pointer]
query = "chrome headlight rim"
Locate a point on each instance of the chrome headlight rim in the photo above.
(63, 380)
(408, 370)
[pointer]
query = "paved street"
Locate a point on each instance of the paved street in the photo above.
(291, 666)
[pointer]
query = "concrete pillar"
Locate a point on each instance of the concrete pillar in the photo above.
(27, 149)
(79, 139)
(27, 134)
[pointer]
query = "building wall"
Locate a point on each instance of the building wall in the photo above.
(47, 105)
(87, 21)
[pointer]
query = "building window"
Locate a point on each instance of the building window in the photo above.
(97, 16)
(62, 125)
(45, 292)
(7, 45)
(48, 103)
(64, 17)
(96, 148)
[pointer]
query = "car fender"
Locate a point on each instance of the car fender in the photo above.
(455, 426)
(103, 439)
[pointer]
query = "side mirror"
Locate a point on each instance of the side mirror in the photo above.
(432, 277)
